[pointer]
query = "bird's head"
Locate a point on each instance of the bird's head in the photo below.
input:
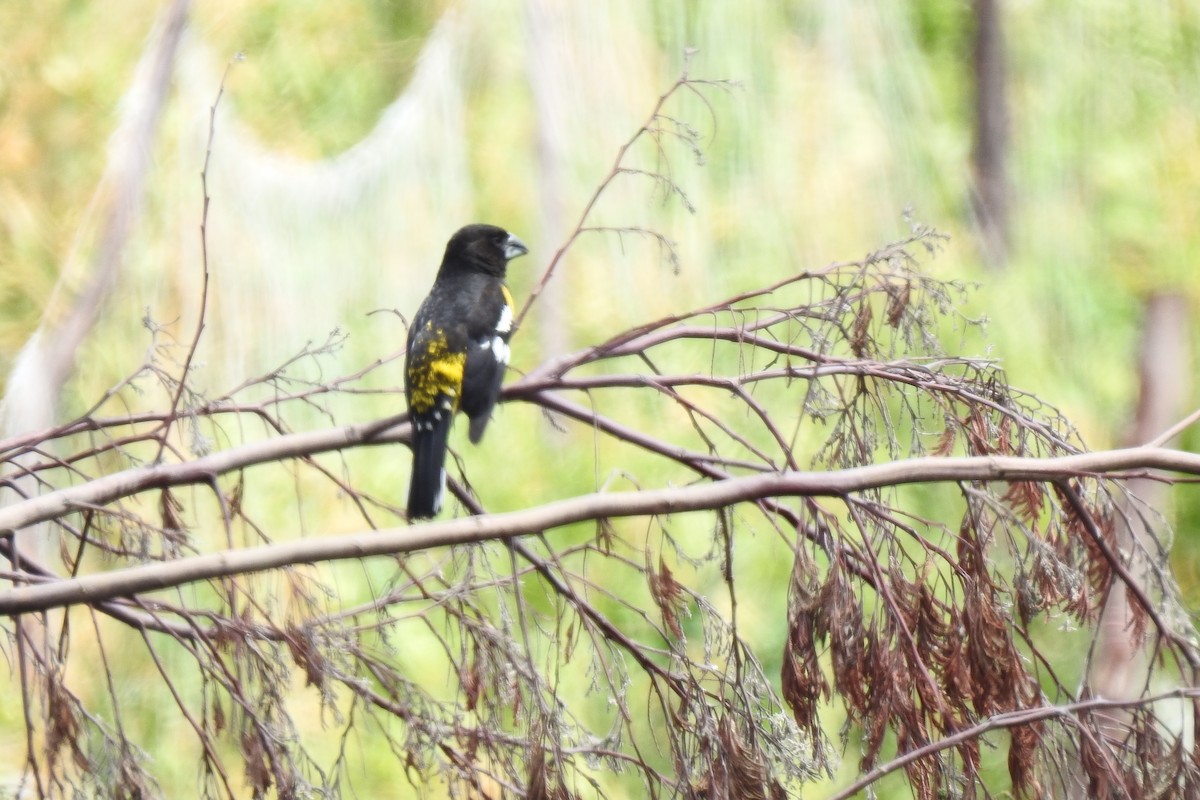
(482, 248)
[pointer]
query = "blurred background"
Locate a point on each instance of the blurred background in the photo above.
(1057, 144)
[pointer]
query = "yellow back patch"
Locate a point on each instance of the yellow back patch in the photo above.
(434, 370)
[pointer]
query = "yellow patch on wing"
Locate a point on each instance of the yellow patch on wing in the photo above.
(508, 298)
(436, 370)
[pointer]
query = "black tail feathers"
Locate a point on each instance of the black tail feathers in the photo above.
(478, 424)
(428, 481)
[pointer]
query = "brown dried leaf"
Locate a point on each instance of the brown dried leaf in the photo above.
(234, 498)
(307, 656)
(860, 332)
(545, 779)
(898, 301)
(605, 535)
(1022, 760)
(218, 715)
(746, 764)
(1094, 760)
(906, 596)
(536, 787)
(1099, 569)
(803, 682)
(568, 643)
(938, 636)
(468, 677)
(1139, 618)
(998, 677)
(945, 444)
(411, 765)
(901, 705)
(957, 679)
(850, 644)
(968, 751)
(169, 509)
(738, 770)
(1004, 442)
(254, 756)
(668, 596)
(1080, 605)
(174, 532)
(972, 559)
(874, 727)
(924, 777)
(1030, 599)
(979, 434)
(1051, 579)
(1026, 498)
(62, 725)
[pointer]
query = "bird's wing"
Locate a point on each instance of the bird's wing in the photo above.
(487, 359)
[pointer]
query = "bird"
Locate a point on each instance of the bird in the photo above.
(457, 353)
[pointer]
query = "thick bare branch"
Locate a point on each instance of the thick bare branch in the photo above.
(199, 471)
(133, 580)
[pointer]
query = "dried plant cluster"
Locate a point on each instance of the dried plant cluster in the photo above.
(943, 531)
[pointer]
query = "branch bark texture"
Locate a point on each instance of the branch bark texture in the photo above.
(393, 541)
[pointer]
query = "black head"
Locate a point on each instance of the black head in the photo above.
(482, 248)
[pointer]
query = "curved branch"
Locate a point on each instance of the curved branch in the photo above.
(199, 471)
(1069, 712)
(699, 497)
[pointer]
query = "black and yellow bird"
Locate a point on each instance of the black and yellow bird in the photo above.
(457, 353)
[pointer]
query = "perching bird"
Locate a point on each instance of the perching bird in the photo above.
(457, 353)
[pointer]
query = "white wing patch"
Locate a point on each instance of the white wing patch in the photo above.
(498, 346)
(504, 324)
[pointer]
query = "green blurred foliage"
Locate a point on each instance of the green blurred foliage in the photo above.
(322, 70)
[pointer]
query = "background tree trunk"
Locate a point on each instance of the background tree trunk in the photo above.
(48, 358)
(544, 31)
(1120, 667)
(989, 157)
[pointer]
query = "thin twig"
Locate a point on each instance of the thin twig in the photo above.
(1011, 719)
(200, 321)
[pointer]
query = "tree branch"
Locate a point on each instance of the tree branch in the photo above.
(96, 588)
(199, 471)
(1010, 719)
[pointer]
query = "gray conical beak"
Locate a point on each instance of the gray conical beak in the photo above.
(514, 247)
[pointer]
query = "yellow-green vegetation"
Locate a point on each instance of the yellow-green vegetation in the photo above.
(356, 136)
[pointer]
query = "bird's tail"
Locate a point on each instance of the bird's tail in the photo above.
(428, 481)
